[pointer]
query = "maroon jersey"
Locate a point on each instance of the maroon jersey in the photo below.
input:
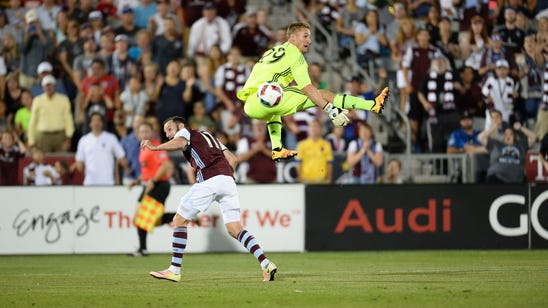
(418, 61)
(9, 164)
(205, 154)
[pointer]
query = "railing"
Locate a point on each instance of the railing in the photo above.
(434, 168)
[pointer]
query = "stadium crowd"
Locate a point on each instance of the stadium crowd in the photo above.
(461, 67)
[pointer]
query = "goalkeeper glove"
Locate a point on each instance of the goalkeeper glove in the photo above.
(337, 115)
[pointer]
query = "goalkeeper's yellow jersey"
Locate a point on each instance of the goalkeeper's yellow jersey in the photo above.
(281, 64)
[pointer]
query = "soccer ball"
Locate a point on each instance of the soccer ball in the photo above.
(270, 94)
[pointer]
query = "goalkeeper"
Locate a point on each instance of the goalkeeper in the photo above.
(285, 64)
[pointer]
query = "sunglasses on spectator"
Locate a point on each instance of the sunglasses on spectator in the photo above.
(495, 37)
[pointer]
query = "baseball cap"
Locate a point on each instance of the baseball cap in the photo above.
(49, 79)
(251, 12)
(120, 37)
(210, 6)
(466, 115)
(502, 63)
(94, 15)
(31, 16)
(44, 67)
(127, 9)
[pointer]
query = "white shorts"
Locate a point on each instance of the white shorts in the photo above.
(400, 79)
(219, 188)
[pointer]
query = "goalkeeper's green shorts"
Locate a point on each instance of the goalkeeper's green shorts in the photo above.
(293, 100)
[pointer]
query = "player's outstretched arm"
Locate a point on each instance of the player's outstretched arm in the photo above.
(172, 145)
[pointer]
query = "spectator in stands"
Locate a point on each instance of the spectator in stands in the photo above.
(315, 157)
(144, 12)
(315, 71)
(208, 31)
(132, 146)
(81, 12)
(438, 98)
(349, 15)
(393, 173)
(127, 25)
(494, 53)
(61, 26)
(108, 9)
(142, 47)
(172, 94)
(417, 60)
(405, 38)
(81, 66)
(256, 151)
(512, 36)
(473, 43)
(109, 87)
(499, 92)
(45, 69)
(156, 24)
(229, 79)
(192, 11)
(120, 128)
(38, 173)
(133, 98)
(335, 138)
(16, 14)
(369, 37)
(5, 26)
(122, 66)
(47, 14)
(95, 101)
(420, 9)
(51, 124)
(232, 11)
(150, 82)
(448, 41)
(65, 177)
(37, 43)
(11, 150)
(96, 155)
(251, 38)
(470, 97)
(97, 26)
(507, 157)
(200, 120)
(364, 156)
(10, 53)
(432, 24)
(167, 47)
(393, 27)
(531, 74)
(106, 48)
(22, 116)
(12, 94)
(67, 51)
(465, 139)
(206, 75)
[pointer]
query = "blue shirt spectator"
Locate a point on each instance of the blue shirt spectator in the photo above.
(464, 139)
(144, 13)
(131, 146)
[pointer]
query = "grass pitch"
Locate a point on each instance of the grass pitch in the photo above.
(341, 279)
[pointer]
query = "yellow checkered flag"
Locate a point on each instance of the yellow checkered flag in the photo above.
(149, 214)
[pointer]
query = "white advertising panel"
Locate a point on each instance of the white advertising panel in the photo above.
(45, 220)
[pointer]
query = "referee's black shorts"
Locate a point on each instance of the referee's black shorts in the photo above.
(159, 192)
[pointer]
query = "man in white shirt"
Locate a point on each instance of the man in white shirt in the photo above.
(208, 31)
(97, 153)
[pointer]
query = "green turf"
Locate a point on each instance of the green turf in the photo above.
(342, 279)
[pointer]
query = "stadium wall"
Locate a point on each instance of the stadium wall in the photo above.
(451, 216)
(61, 220)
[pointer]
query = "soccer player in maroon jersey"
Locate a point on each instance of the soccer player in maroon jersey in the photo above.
(214, 166)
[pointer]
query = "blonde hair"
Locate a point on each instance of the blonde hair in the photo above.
(296, 27)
